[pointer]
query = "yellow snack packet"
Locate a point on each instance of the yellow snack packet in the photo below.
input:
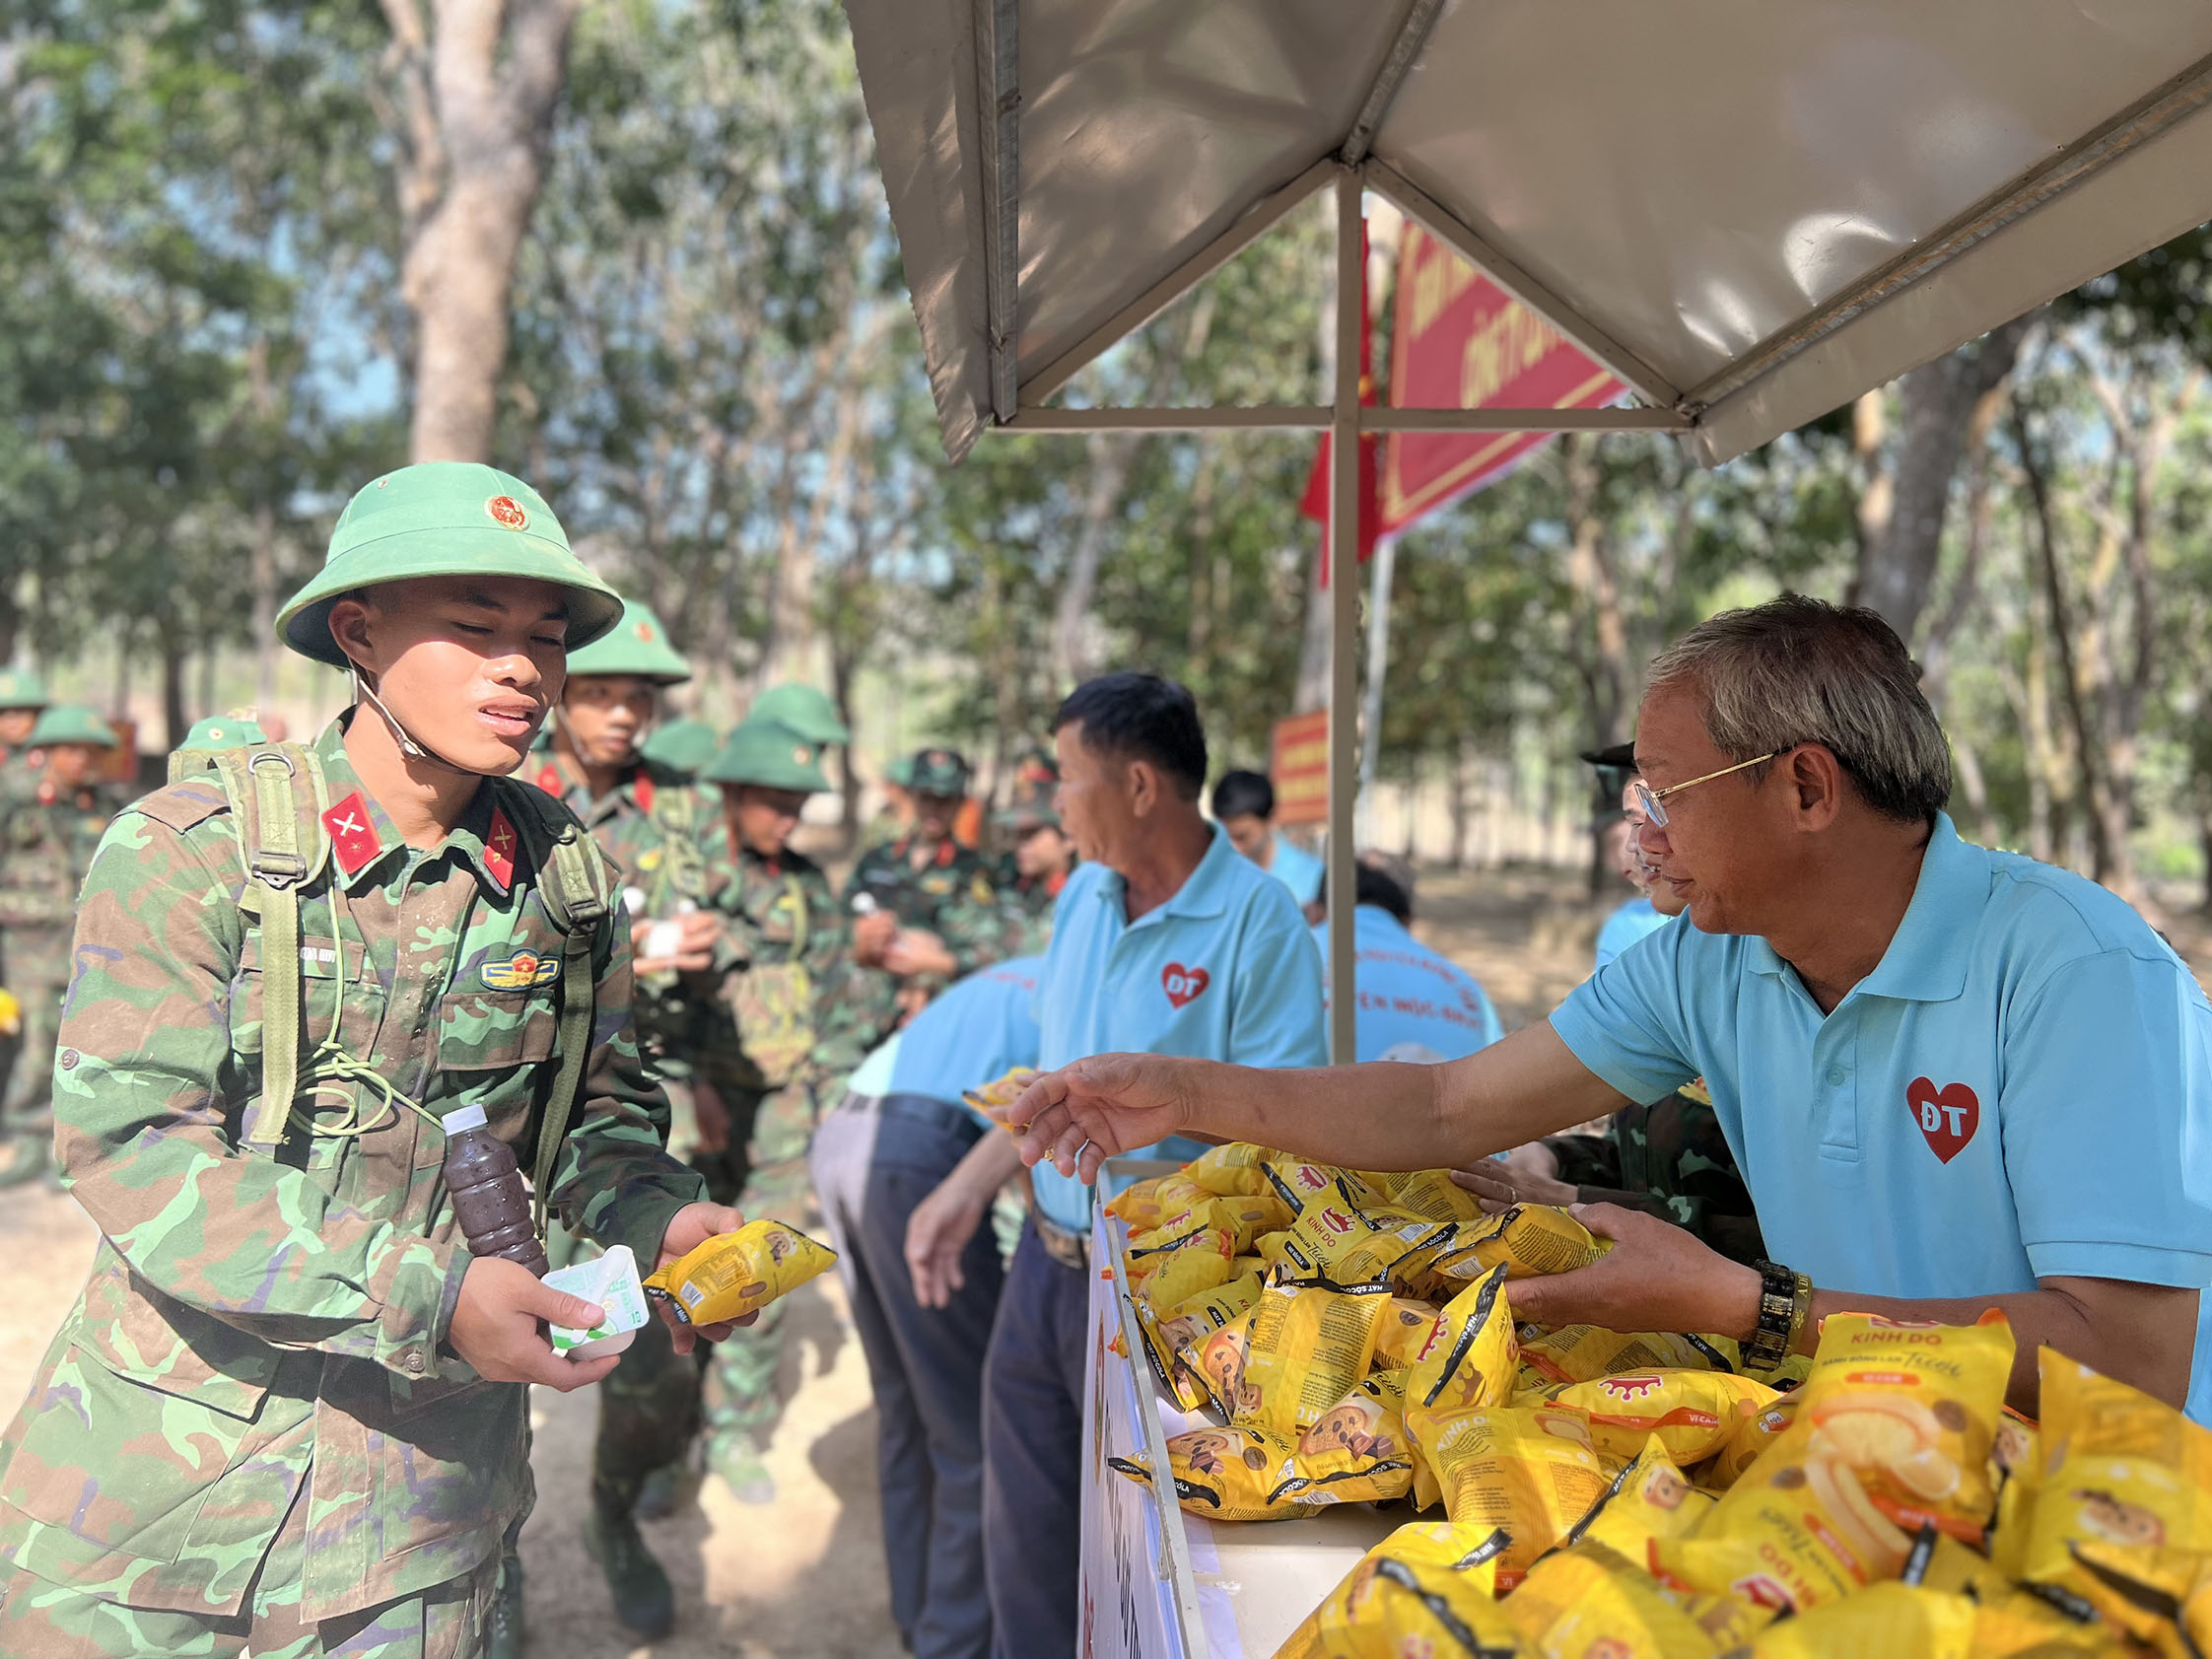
(1466, 1363)
(1649, 1498)
(1693, 1412)
(1530, 1472)
(1307, 1345)
(1145, 1204)
(1238, 1168)
(1173, 1375)
(2119, 1469)
(1576, 1354)
(1247, 1474)
(2016, 1468)
(1592, 1600)
(1199, 1316)
(1747, 1444)
(1404, 1332)
(1002, 1091)
(1298, 1184)
(735, 1274)
(1919, 1624)
(1532, 1240)
(1427, 1589)
(1170, 1270)
(1433, 1193)
(2149, 1593)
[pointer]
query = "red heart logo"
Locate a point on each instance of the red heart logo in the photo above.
(1947, 1116)
(1184, 985)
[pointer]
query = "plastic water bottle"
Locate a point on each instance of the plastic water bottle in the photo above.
(490, 1199)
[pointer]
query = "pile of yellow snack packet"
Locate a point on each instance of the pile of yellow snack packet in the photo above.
(1349, 1337)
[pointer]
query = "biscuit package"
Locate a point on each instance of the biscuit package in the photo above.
(1244, 1473)
(1649, 1498)
(1695, 1414)
(1427, 1589)
(1308, 1345)
(735, 1274)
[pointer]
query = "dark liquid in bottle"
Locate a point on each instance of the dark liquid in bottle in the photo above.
(490, 1199)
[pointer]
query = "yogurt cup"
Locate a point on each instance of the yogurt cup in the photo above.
(610, 1281)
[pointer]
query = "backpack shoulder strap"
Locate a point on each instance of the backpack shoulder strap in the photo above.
(277, 794)
(577, 895)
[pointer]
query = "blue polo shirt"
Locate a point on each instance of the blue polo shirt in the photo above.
(1225, 970)
(1626, 926)
(2016, 1091)
(1410, 993)
(1296, 869)
(978, 1028)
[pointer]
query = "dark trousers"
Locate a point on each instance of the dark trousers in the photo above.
(1032, 1455)
(926, 1366)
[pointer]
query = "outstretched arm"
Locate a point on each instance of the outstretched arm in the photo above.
(1377, 1116)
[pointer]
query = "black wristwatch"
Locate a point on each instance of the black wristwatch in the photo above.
(1777, 1307)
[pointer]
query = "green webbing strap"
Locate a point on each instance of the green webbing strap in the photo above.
(578, 901)
(278, 867)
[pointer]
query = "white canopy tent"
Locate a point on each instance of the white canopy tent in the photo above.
(1749, 213)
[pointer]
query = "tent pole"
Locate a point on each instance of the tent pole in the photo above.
(1378, 667)
(1344, 617)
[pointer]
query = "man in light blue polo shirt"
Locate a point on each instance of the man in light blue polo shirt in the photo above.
(1244, 806)
(878, 1160)
(1954, 1080)
(1165, 940)
(1414, 1003)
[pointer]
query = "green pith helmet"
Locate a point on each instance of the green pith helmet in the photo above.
(900, 773)
(770, 754)
(71, 723)
(1029, 798)
(682, 745)
(445, 519)
(639, 646)
(942, 772)
(222, 731)
(804, 710)
(22, 688)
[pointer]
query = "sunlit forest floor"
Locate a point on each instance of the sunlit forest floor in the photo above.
(804, 1579)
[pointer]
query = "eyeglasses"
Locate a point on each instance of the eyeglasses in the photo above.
(1648, 798)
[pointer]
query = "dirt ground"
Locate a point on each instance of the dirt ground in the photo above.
(803, 1579)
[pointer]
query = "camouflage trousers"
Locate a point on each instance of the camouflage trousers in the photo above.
(44, 1620)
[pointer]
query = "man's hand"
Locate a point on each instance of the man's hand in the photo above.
(916, 951)
(696, 934)
(690, 1227)
(1656, 1277)
(872, 934)
(1083, 1114)
(937, 1231)
(497, 1327)
(1527, 1174)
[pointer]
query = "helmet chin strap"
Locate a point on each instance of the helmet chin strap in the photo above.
(409, 746)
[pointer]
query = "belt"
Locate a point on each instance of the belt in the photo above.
(1071, 1249)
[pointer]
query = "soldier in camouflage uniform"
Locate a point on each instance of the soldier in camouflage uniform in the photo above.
(46, 840)
(286, 1416)
(23, 698)
(1040, 858)
(784, 936)
(656, 826)
(925, 911)
(895, 817)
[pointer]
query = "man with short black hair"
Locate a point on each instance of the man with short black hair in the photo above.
(1954, 1080)
(1244, 805)
(1165, 940)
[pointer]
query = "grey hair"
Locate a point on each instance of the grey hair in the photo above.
(1801, 670)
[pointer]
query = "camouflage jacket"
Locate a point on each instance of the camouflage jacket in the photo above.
(954, 896)
(1027, 906)
(1670, 1159)
(257, 1323)
(777, 912)
(47, 845)
(664, 834)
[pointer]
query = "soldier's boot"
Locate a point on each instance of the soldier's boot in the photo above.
(503, 1629)
(665, 1490)
(643, 1599)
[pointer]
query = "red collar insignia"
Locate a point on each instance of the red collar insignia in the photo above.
(946, 853)
(352, 836)
(1055, 881)
(549, 781)
(499, 849)
(642, 788)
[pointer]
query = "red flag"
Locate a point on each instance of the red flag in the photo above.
(1315, 501)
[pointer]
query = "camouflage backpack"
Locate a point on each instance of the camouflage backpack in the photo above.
(277, 796)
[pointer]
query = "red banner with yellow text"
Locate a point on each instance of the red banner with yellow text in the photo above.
(1300, 768)
(1462, 342)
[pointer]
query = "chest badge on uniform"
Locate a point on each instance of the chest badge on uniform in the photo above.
(520, 971)
(1947, 1116)
(1184, 986)
(352, 837)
